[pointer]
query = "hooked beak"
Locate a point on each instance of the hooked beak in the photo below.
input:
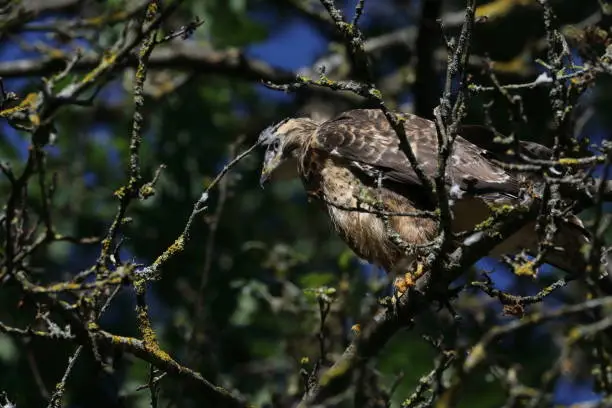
(265, 176)
(270, 164)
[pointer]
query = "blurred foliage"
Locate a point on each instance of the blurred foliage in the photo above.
(257, 321)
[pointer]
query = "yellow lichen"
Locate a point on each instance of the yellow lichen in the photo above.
(120, 340)
(102, 20)
(149, 338)
(475, 356)
(325, 81)
(148, 334)
(173, 249)
(28, 102)
(119, 193)
(484, 224)
(347, 28)
(518, 64)
(568, 160)
(106, 243)
(108, 59)
(54, 53)
(151, 10)
(34, 119)
(573, 334)
(498, 8)
(503, 209)
(58, 287)
(147, 191)
(525, 269)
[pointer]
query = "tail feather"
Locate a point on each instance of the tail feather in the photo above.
(572, 240)
(569, 253)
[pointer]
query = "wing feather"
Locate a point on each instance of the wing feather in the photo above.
(365, 138)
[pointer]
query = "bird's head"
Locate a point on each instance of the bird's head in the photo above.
(282, 142)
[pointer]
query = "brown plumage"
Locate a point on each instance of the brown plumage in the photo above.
(354, 167)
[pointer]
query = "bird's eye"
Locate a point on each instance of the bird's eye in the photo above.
(276, 144)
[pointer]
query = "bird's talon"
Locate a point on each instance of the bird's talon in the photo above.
(419, 271)
(403, 283)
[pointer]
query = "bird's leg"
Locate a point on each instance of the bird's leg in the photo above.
(401, 284)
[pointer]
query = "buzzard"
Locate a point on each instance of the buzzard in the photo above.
(354, 167)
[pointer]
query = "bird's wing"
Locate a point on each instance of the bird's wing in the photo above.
(365, 138)
(498, 149)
